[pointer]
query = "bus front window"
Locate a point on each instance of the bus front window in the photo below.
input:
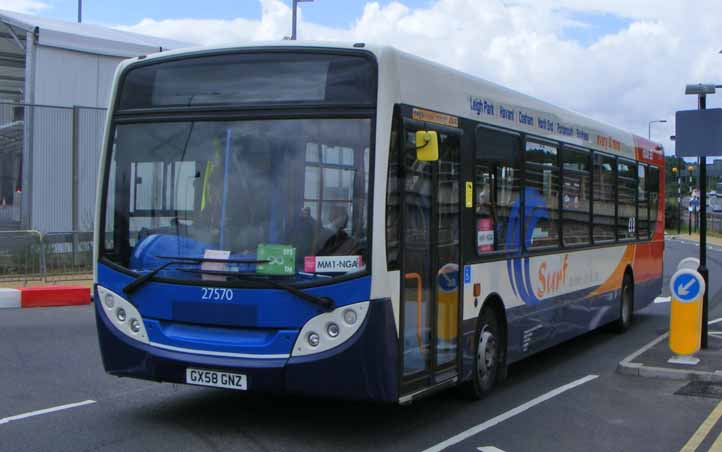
(291, 194)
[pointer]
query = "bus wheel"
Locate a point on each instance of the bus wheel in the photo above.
(487, 354)
(626, 307)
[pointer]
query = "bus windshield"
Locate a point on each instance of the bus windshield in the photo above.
(284, 198)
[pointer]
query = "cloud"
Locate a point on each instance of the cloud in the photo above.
(627, 77)
(24, 6)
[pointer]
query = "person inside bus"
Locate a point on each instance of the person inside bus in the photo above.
(304, 234)
(336, 241)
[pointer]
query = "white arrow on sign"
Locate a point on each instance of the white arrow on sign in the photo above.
(683, 289)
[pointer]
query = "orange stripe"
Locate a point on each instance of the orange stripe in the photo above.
(614, 282)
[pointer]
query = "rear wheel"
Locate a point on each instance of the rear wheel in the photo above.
(487, 357)
(626, 306)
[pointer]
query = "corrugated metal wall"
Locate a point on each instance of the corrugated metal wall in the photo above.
(91, 123)
(51, 133)
(51, 149)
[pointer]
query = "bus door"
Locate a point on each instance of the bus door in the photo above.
(431, 214)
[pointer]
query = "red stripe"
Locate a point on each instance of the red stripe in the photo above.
(46, 296)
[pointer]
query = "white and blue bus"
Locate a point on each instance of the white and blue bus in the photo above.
(356, 222)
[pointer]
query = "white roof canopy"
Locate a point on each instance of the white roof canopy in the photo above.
(84, 37)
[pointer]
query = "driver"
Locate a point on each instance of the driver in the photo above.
(338, 242)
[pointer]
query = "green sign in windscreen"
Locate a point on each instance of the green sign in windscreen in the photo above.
(282, 259)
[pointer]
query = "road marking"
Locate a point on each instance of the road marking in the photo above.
(703, 430)
(717, 445)
(509, 414)
(663, 299)
(489, 449)
(45, 411)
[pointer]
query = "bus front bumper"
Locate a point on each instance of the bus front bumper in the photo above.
(363, 368)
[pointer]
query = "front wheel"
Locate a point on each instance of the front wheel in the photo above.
(626, 308)
(487, 357)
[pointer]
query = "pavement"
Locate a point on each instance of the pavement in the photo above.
(55, 396)
(84, 280)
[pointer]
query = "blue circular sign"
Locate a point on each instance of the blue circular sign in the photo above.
(687, 285)
(448, 278)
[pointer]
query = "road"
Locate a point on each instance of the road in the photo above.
(50, 359)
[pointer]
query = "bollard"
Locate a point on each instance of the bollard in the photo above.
(691, 263)
(685, 318)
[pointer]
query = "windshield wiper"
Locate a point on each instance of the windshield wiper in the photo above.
(179, 260)
(199, 260)
(325, 302)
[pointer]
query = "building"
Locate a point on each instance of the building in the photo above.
(55, 80)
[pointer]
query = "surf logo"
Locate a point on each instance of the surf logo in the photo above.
(552, 276)
(517, 264)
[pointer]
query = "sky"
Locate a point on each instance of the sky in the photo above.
(624, 62)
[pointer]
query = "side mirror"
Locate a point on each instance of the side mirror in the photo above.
(427, 146)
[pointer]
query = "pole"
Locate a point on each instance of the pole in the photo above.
(679, 198)
(293, 29)
(80, 11)
(703, 233)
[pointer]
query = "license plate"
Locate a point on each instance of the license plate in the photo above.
(204, 377)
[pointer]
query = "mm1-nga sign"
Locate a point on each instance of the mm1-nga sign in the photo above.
(699, 133)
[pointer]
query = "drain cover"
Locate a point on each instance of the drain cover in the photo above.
(701, 389)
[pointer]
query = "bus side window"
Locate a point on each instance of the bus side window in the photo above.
(604, 197)
(653, 195)
(542, 195)
(642, 202)
(497, 188)
(576, 197)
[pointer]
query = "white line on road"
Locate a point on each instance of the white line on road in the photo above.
(663, 299)
(509, 414)
(45, 411)
(489, 449)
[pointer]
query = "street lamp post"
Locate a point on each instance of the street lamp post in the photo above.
(701, 91)
(649, 127)
(675, 171)
(295, 17)
(80, 11)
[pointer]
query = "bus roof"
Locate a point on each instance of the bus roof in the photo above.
(412, 80)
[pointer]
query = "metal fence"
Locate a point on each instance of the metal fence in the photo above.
(32, 256)
(690, 222)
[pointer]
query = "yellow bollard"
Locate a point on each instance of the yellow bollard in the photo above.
(685, 319)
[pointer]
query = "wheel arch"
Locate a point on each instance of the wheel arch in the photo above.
(629, 273)
(494, 302)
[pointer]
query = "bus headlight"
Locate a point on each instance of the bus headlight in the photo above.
(349, 316)
(135, 326)
(109, 300)
(330, 329)
(313, 339)
(118, 310)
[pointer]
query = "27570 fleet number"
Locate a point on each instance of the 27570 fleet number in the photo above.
(216, 294)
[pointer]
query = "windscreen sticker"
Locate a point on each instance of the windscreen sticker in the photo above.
(281, 259)
(333, 264)
(215, 266)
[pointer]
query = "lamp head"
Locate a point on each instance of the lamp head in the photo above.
(700, 89)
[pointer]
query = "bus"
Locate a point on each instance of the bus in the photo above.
(355, 222)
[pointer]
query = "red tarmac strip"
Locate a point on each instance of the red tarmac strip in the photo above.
(46, 296)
